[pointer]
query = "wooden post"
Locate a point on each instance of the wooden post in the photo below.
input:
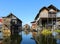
(47, 21)
(56, 22)
(40, 23)
(52, 24)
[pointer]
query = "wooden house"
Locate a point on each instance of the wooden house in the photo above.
(26, 27)
(34, 26)
(12, 24)
(0, 24)
(47, 17)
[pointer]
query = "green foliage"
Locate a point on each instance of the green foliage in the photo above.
(46, 32)
(57, 31)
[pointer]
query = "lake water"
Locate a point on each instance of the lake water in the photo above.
(1, 35)
(26, 38)
(30, 38)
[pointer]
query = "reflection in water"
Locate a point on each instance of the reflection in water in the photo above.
(58, 41)
(41, 39)
(30, 38)
(14, 39)
(26, 38)
(26, 32)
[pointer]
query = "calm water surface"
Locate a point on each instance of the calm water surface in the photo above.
(29, 38)
(26, 38)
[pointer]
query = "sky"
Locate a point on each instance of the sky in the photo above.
(26, 10)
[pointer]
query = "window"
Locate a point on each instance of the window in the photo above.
(14, 21)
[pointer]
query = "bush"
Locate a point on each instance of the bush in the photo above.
(57, 31)
(46, 32)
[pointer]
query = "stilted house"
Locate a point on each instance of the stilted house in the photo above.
(0, 24)
(34, 26)
(47, 17)
(12, 24)
(1, 36)
(26, 27)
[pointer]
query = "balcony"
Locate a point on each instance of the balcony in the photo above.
(52, 15)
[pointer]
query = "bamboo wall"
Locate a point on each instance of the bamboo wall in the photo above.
(6, 26)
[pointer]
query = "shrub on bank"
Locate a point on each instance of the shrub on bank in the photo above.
(57, 31)
(46, 32)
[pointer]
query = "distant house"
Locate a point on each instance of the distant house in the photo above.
(12, 23)
(47, 17)
(26, 27)
(0, 24)
(34, 25)
(1, 36)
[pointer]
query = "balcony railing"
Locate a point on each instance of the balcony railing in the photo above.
(52, 15)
